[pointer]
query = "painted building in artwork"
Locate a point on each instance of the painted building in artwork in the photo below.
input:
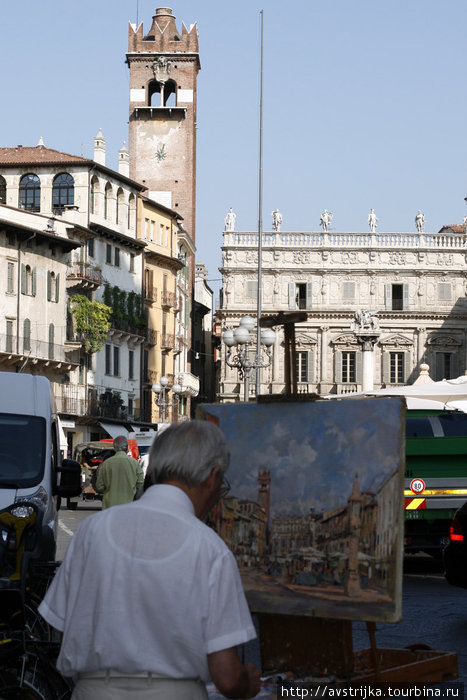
(377, 306)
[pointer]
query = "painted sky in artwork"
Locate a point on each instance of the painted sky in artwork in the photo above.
(313, 450)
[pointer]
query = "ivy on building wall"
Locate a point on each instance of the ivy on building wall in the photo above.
(128, 312)
(91, 321)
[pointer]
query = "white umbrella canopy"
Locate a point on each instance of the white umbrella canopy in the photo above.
(448, 393)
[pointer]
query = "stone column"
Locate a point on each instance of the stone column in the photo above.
(368, 341)
(324, 354)
(421, 340)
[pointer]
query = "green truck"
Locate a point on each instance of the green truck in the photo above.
(435, 484)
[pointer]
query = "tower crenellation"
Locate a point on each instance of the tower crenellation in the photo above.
(163, 36)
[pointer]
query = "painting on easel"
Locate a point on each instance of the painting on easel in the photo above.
(314, 514)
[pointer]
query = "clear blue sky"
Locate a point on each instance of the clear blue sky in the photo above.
(364, 103)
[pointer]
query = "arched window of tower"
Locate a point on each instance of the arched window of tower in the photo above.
(170, 94)
(154, 94)
(162, 94)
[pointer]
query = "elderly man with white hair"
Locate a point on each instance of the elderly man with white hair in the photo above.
(149, 598)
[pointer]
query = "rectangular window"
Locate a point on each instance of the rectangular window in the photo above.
(91, 247)
(11, 238)
(108, 253)
(396, 367)
(397, 297)
(348, 291)
(131, 363)
(130, 407)
(117, 257)
(445, 366)
(108, 359)
(132, 262)
(300, 295)
(348, 368)
(251, 289)
(444, 291)
(116, 362)
(10, 285)
(302, 367)
(146, 229)
(9, 336)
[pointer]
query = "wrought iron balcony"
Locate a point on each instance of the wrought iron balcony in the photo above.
(168, 299)
(16, 348)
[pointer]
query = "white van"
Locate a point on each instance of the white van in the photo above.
(31, 468)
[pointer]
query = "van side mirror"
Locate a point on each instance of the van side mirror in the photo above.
(70, 479)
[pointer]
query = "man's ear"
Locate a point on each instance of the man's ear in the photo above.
(212, 478)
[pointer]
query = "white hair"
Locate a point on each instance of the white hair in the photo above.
(187, 452)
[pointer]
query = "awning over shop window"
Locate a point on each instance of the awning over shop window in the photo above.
(114, 429)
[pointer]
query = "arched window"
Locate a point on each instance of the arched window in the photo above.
(30, 193)
(170, 94)
(28, 280)
(53, 282)
(94, 195)
(107, 194)
(131, 212)
(51, 341)
(2, 190)
(154, 94)
(63, 190)
(120, 206)
(26, 335)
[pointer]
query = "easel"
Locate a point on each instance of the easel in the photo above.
(324, 646)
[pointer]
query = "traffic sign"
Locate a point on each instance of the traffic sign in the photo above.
(417, 485)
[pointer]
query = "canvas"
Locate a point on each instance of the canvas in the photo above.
(315, 516)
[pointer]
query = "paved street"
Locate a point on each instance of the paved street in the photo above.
(434, 612)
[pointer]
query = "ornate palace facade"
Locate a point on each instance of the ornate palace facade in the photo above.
(409, 289)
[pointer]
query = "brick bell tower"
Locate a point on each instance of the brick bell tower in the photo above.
(164, 65)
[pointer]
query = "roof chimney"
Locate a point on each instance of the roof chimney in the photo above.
(99, 148)
(124, 161)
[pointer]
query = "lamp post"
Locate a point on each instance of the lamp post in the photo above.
(161, 390)
(239, 338)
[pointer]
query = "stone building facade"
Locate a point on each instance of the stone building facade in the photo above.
(409, 287)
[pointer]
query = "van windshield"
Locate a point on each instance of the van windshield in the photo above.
(22, 450)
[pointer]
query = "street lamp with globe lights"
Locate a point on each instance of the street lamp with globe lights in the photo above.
(161, 390)
(239, 338)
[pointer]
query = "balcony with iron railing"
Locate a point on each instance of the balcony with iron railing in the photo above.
(168, 299)
(14, 348)
(102, 402)
(168, 341)
(150, 294)
(84, 275)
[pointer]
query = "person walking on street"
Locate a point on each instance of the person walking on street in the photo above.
(148, 597)
(119, 477)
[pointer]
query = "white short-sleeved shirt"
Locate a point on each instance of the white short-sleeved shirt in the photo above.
(147, 587)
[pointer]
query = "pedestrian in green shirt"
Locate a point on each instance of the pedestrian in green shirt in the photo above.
(120, 476)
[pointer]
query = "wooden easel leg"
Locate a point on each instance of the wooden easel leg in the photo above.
(306, 645)
(371, 629)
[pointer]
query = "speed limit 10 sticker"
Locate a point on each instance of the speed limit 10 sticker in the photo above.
(417, 485)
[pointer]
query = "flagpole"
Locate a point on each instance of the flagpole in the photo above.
(260, 216)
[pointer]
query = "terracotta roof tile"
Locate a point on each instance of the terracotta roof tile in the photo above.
(455, 228)
(38, 155)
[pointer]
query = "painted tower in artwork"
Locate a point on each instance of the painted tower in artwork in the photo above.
(264, 490)
(164, 65)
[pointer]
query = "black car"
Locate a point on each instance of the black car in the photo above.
(455, 552)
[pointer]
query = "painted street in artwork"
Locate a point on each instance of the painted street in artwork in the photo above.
(314, 514)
